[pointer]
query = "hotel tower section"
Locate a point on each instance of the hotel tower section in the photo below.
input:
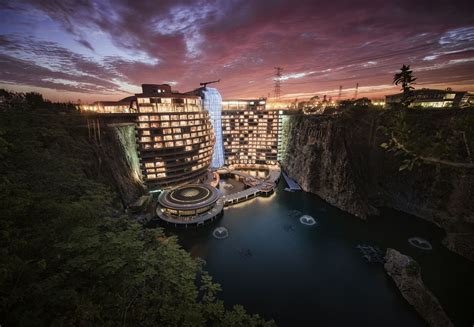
(250, 133)
(174, 136)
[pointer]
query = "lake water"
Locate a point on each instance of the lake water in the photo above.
(302, 275)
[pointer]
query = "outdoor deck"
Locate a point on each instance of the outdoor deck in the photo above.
(265, 186)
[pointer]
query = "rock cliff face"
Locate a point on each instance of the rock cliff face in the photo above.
(405, 272)
(340, 160)
(118, 159)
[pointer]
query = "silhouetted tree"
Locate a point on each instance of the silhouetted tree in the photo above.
(34, 99)
(406, 79)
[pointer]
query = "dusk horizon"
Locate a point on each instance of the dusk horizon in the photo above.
(106, 50)
(237, 163)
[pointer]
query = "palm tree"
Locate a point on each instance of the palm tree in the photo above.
(405, 77)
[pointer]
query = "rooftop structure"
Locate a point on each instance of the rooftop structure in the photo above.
(190, 204)
(252, 104)
(111, 107)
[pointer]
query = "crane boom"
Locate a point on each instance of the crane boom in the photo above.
(210, 82)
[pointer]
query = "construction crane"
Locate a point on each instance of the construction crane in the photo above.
(210, 82)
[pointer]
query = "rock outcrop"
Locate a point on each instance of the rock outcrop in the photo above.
(405, 272)
(339, 158)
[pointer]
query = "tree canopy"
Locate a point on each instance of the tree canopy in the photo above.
(68, 255)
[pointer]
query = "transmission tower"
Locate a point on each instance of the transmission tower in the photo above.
(356, 91)
(277, 88)
(340, 92)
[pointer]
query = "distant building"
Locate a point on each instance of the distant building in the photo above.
(355, 103)
(378, 102)
(250, 132)
(111, 107)
(431, 98)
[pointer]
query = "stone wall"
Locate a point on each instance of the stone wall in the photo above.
(339, 158)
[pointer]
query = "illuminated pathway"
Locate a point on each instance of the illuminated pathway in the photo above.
(264, 187)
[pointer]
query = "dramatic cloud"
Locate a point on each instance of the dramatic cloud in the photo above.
(106, 49)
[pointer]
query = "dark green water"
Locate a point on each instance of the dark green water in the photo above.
(314, 275)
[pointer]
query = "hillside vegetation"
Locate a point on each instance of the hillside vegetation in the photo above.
(68, 255)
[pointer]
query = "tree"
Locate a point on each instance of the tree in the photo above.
(406, 79)
(66, 259)
(432, 140)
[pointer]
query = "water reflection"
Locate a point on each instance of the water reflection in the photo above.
(275, 266)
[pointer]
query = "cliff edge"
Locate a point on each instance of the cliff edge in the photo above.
(340, 159)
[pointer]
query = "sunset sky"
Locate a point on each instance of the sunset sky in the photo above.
(104, 50)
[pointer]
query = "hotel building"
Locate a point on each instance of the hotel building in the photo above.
(250, 132)
(174, 136)
(179, 136)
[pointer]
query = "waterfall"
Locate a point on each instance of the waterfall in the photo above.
(126, 137)
(213, 104)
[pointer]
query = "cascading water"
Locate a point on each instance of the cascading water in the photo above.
(126, 136)
(213, 104)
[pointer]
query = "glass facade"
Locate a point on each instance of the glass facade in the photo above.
(212, 102)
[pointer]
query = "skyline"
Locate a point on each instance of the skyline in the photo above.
(105, 50)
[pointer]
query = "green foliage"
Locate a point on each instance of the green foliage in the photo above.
(426, 136)
(68, 257)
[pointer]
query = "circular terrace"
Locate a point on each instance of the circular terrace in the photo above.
(190, 204)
